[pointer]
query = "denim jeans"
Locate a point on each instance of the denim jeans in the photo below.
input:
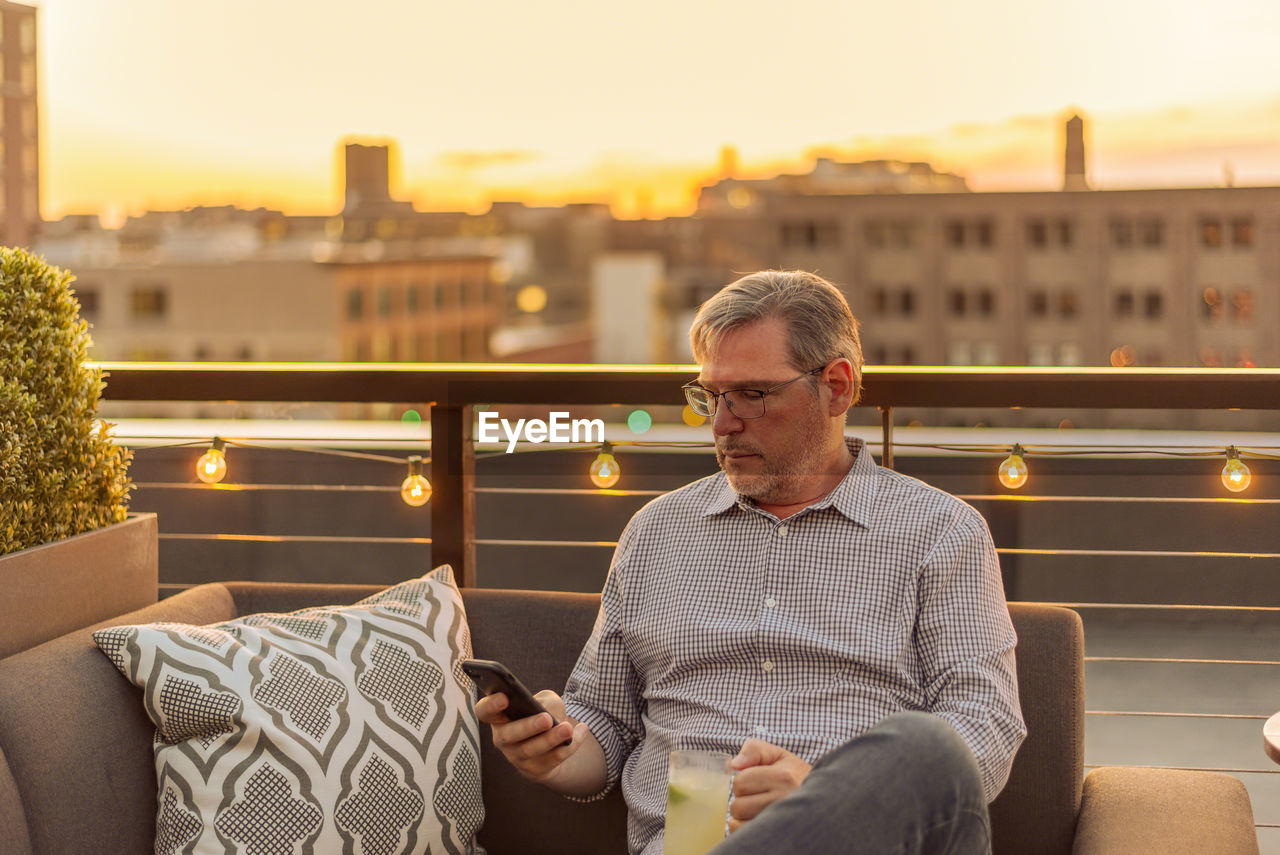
(908, 785)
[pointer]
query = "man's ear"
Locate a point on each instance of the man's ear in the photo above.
(838, 377)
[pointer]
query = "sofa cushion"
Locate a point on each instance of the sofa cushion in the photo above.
(335, 728)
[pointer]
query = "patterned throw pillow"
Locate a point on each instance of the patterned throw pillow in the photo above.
(336, 729)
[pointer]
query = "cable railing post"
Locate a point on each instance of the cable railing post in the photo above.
(453, 502)
(886, 429)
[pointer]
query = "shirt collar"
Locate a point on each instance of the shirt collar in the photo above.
(854, 496)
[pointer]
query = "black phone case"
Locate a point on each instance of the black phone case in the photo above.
(491, 677)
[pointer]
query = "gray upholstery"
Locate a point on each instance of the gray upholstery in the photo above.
(1145, 812)
(76, 769)
(1035, 814)
(78, 741)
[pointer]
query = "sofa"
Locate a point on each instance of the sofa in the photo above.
(76, 770)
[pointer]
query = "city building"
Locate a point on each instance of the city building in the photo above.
(1176, 277)
(229, 284)
(19, 126)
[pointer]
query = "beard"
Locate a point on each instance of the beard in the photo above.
(781, 474)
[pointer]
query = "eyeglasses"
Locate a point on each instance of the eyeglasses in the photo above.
(743, 403)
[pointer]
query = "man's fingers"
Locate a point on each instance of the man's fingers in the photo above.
(756, 752)
(521, 730)
(552, 703)
(489, 709)
(539, 743)
(744, 808)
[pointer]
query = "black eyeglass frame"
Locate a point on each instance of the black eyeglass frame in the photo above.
(716, 396)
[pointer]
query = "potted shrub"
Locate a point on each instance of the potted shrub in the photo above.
(68, 555)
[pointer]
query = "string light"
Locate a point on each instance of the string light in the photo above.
(415, 489)
(605, 470)
(212, 465)
(1235, 475)
(1013, 471)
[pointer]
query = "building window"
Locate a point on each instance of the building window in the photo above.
(88, 299)
(986, 233)
(954, 230)
(1124, 303)
(987, 353)
(958, 353)
(1211, 232)
(1041, 233)
(1151, 231)
(1069, 353)
(956, 302)
(1121, 233)
(1038, 303)
(811, 234)
(907, 301)
(1153, 305)
(879, 301)
(908, 355)
(1068, 304)
(355, 304)
(986, 303)
(149, 302)
(411, 300)
(1037, 233)
(1040, 353)
(1066, 233)
(1242, 231)
(1242, 305)
(384, 302)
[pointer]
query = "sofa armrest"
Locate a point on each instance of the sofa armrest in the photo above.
(1142, 811)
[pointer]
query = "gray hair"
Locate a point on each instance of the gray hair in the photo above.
(821, 326)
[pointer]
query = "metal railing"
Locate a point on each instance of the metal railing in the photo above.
(452, 391)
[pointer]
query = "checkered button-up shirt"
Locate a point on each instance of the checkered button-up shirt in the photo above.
(719, 622)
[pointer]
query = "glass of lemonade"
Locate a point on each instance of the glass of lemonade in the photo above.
(698, 785)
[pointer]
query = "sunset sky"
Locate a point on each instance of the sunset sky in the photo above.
(155, 104)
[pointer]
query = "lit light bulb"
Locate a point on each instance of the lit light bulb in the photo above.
(212, 465)
(605, 470)
(1013, 471)
(1235, 475)
(691, 418)
(415, 489)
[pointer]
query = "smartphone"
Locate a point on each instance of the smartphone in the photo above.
(492, 677)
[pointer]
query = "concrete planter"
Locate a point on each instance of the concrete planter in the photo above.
(52, 589)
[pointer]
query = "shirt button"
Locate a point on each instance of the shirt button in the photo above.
(770, 602)
(782, 531)
(767, 665)
(761, 730)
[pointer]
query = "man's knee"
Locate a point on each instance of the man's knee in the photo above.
(923, 751)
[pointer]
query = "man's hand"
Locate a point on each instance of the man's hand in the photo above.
(532, 745)
(765, 774)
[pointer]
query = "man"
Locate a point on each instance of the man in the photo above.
(838, 627)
